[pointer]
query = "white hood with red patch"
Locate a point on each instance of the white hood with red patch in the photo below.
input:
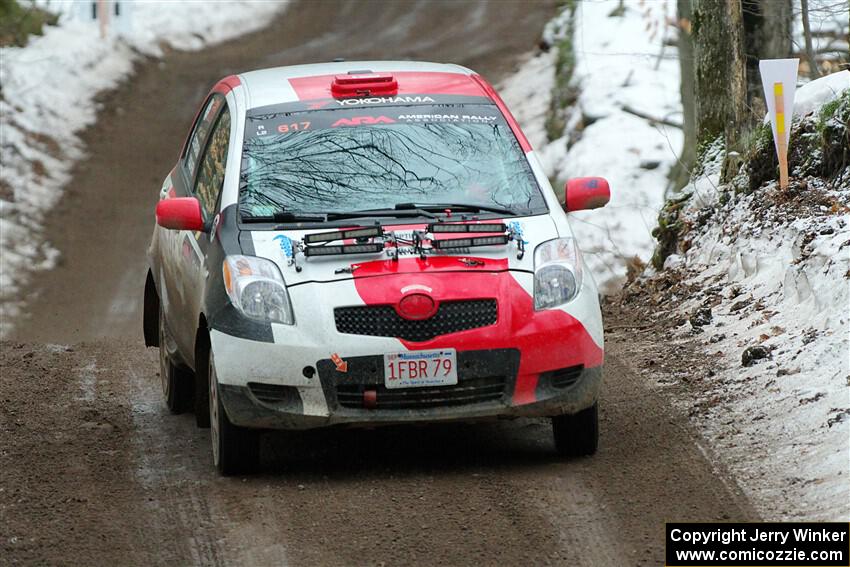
(281, 247)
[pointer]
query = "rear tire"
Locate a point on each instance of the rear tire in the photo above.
(236, 450)
(176, 381)
(577, 435)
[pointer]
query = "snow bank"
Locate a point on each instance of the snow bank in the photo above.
(817, 93)
(528, 93)
(48, 97)
(774, 271)
(622, 65)
(772, 275)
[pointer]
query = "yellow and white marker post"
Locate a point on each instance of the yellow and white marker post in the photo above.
(782, 144)
(779, 80)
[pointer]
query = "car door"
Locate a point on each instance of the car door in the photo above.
(179, 249)
(206, 187)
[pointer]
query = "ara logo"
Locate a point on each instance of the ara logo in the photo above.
(383, 100)
(362, 120)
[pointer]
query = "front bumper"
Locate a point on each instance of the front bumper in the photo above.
(478, 395)
(526, 364)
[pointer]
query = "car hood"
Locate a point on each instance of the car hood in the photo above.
(280, 246)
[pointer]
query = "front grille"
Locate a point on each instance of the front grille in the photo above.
(471, 391)
(273, 393)
(383, 321)
(564, 377)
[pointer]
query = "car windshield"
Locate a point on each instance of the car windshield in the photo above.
(343, 160)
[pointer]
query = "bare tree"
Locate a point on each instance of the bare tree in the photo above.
(681, 172)
(774, 30)
(807, 34)
(720, 45)
(720, 71)
(767, 35)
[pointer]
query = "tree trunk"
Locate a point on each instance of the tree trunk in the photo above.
(807, 34)
(767, 35)
(681, 172)
(721, 76)
(774, 34)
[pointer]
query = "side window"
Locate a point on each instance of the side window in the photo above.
(211, 173)
(199, 134)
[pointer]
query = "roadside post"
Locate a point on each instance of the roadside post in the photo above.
(111, 18)
(779, 81)
(102, 11)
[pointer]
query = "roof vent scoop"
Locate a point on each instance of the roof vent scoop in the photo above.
(364, 84)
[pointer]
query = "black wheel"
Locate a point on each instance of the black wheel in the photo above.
(176, 381)
(577, 435)
(236, 450)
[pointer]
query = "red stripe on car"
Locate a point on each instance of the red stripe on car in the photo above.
(431, 264)
(409, 83)
(547, 340)
(226, 85)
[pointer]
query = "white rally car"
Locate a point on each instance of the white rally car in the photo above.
(368, 243)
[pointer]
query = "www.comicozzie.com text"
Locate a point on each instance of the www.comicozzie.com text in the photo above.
(756, 534)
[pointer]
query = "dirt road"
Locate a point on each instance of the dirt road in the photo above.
(96, 472)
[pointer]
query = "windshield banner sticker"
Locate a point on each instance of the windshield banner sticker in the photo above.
(378, 101)
(470, 118)
(384, 100)
(286, 123)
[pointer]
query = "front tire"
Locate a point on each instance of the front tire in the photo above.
(577, 435)
(236, 450)
(177, 382)
(202, 383)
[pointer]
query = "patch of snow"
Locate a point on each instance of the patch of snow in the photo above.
(815, 94)
(781, 425)
(622, 63)
(48, 97)
(528, 93)
(778, 278)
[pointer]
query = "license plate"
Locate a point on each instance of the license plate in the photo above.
(418, 368)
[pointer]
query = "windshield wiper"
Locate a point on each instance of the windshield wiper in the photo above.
(288, 217)
(468, 207)
(405, 212)
(285, 216)
(400, 210)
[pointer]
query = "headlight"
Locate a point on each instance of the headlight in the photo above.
(257, 290)
(557, 273)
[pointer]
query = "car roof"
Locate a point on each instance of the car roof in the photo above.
(306, 82)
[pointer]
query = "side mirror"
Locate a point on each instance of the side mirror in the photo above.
(586, 193)
(180, 213)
